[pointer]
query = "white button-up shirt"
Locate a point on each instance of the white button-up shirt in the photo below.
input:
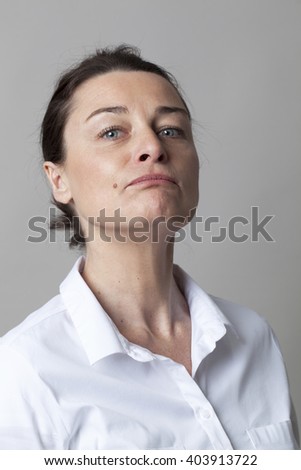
(70, 380)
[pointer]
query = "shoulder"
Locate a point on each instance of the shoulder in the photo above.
(248, 325)
(256, 340)
(234, 310)
(34, 321)
(246, 322)
(36, 336)
(28, 405)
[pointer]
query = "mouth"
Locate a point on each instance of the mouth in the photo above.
(153, 179)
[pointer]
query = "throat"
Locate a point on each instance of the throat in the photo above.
(175, 346)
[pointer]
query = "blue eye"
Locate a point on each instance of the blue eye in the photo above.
(171, 132)
(110, 134)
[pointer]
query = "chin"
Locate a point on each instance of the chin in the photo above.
(163, 215)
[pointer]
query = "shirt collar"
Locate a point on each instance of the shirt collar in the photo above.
(96, 330)
(208, 322)
(200, 303)
(100, 336)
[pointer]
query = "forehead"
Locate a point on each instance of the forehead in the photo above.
(129, 88)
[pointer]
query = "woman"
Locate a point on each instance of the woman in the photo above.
(132, 354)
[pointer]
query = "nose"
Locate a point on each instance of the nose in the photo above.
(149, 147)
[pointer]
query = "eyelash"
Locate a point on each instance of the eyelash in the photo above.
(106, 130)
(117, 128)
(173, 128)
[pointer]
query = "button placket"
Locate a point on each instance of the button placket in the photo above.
(204, 413)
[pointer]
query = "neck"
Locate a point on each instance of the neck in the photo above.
(135, 285)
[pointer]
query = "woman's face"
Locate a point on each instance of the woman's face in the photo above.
(123, 126)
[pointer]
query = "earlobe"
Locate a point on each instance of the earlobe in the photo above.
(58, 182)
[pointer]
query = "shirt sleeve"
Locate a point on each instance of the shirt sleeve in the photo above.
(29, 413)
(253, 361)
(293, 415)
(273, 426)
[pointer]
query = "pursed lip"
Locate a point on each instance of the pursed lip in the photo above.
(152, 177)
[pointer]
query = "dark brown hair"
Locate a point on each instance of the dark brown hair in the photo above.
(106, 60)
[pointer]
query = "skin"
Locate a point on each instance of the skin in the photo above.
(105, 151)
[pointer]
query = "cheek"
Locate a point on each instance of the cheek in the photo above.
(92, 186)
(190, 169)
(191, 180)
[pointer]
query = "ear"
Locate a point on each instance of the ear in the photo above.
(58, 181)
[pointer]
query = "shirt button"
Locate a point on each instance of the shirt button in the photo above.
(205, 413)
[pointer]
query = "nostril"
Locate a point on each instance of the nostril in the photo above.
(145, 156)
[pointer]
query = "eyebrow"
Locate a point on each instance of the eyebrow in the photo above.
(123, 109)
(172, 109)
(109, 109)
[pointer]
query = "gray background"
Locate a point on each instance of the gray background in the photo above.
(239, 64)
